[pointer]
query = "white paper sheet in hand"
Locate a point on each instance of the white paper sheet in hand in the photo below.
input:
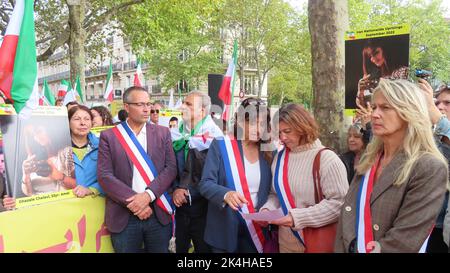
(264, 215)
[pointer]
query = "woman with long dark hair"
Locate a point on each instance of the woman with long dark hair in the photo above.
(237, 178)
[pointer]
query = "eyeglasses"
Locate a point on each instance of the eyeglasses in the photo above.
(154, 111)
(140, 104)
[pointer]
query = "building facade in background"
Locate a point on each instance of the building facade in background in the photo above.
(124, 62)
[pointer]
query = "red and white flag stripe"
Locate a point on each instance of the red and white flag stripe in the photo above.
(140, 163)
(364, 232)
(239, 180)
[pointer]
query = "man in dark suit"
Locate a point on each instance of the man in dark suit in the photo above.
(132, 215)
(196, 133)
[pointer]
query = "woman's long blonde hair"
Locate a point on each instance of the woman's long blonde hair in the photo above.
(409, 102)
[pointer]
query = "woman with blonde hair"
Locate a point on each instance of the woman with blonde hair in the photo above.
(399, 187)
(294, 185)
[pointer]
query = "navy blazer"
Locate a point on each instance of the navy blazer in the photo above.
(222, 222)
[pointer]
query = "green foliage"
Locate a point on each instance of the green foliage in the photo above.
(291, 81)
(52, 27)
(179, 39)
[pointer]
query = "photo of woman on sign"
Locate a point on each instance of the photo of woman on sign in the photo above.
(378, 62)
(46, 169)
(371, 54)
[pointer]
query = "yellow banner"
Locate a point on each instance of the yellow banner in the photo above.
(73, 225)
(44, 198)
(7, 109)
(170, 113)
(97, 130)
(349, 112)
(116, 106)
(377, 32)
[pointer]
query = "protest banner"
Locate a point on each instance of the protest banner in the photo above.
(166, 114)
(97, 130)
(376, 53)
(71, 225)
(116, 106)
(37, 152)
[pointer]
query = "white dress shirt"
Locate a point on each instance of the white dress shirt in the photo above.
(139, 184)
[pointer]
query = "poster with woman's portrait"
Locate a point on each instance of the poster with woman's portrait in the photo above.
(38, 152)
(373, 54)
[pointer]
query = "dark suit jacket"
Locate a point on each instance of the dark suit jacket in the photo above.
(115, 174)
(222, 222)
(402, 216)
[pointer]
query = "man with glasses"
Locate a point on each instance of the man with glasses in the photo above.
(136, 166)
(154, 113)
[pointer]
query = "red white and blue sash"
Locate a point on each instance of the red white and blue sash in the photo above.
(142, 161)
(237, 180)
(364, 232)
(281, 184)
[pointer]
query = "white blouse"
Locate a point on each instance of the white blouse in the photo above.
(253, 174)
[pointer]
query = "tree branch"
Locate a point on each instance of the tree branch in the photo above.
(106, 16)
(60, 40)
(4, 15)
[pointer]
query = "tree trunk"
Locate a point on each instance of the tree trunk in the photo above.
(77, 41)
(328, 21)
(281, 98)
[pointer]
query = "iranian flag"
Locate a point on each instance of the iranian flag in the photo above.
(109, 85)
(46, 96)
(226, 92)
(78, 89)
(64, 86)
(18, 65)
(171, 100)
(138, 75)
(71, 95)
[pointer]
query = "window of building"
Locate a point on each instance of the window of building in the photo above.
(250, 85)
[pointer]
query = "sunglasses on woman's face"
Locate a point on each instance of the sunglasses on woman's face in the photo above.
(154, 111)
(252, 101)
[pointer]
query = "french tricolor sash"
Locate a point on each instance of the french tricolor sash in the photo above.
(282, 188)
(237, 180)
(364, 232)
(141, 161)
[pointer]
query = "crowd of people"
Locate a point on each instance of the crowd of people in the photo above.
(194, 182)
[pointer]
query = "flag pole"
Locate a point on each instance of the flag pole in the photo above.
(233, 81)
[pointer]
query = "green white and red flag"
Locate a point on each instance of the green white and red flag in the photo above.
(226, 92)
(18, 65)
(138, 75)
(46, 96)
(109, 85)
(64, 86)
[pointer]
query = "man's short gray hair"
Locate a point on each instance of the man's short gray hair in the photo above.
(126, 94)
(206, 100)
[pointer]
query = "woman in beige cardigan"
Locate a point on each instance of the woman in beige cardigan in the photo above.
(298, 131)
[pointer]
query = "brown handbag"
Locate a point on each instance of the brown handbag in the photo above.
(321, 239)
